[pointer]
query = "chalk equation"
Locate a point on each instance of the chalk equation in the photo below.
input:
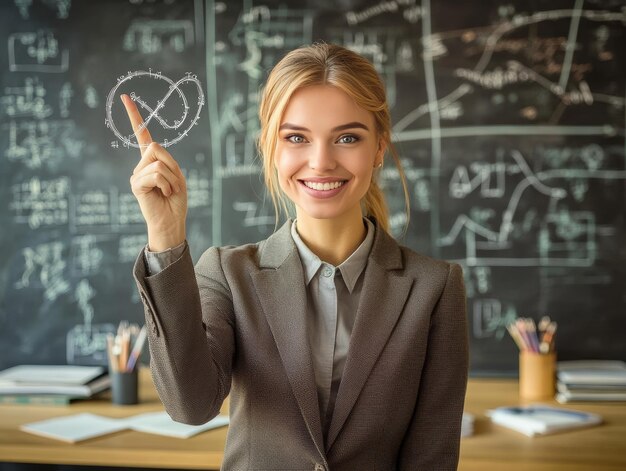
(175, 114)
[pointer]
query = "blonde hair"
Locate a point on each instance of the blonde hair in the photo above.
(325, 64)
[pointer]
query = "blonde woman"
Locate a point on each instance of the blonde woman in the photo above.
(340, 349)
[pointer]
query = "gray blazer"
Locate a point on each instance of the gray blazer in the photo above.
(237, 326)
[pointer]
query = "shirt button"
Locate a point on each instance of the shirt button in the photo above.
(319, 467)
(327, 272)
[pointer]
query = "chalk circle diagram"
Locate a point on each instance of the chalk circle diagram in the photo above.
(172, 129)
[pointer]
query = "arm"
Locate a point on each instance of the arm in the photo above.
(191, 340)
(190, 334)
(433, 437)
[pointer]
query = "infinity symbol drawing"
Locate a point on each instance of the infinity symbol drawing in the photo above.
(153, 113)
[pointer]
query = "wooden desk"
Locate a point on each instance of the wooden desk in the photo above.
(492, 447)
(126, 448)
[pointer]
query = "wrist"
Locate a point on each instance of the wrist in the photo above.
(161, 241)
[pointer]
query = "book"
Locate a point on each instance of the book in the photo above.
(467, 424)
(49, 374)
(539, 419)
(591, 387)
(74, 428)
(573, 396)
(79, 427)
(38, 399)
(589, 392)
(69, 380)
(608, 372)
(97, 385)
(161, 423)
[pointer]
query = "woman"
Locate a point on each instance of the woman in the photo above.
(339, 348)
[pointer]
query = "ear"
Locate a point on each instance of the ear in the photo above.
(380, 153)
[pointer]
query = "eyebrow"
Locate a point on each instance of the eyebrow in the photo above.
(352, 125)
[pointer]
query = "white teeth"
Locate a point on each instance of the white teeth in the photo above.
(323, 186)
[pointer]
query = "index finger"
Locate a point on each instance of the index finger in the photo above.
(143, 135)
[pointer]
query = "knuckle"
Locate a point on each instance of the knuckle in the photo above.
(159, 178)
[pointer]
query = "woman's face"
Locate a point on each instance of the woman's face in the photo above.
(326, 153)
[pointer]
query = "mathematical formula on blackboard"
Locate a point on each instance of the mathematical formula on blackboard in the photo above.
(510, 123)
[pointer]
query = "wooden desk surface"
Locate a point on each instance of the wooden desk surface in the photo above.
(601, 448)
(492, 447)
(124, 448)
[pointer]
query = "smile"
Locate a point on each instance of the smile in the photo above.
(327, 186)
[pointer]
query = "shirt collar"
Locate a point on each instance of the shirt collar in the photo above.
(350, 269)
(310, 262)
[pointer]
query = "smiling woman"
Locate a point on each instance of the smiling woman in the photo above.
(322, 88)
(340, 349)
(325, 163)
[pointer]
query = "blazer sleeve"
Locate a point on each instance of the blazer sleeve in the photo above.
(433, 438)
(189, 317)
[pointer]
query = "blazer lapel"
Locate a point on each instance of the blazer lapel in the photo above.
(282, 293)
(383, 296)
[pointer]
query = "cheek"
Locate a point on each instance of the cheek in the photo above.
(365, 183)
(364, 170)
(286, 166)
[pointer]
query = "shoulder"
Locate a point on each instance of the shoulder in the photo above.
(229, 257)
(270, 252)
(391, 254)
(436, 279)
(419, 263)
(427, 271)
(442, 273)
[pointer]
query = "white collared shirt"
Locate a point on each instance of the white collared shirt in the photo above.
(333, 297)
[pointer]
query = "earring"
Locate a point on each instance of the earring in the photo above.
(379, 165)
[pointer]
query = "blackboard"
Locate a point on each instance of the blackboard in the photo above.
(509, 118)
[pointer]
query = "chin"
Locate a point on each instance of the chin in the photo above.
(321, 215)
(324, 213)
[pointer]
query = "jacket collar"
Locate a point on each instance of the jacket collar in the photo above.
(277, 248)
(281, 290)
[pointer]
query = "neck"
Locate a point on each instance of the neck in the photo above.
(332, 240)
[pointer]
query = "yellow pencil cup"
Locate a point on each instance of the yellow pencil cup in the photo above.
(537, 375)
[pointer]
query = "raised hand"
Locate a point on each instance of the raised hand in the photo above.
(159, 186)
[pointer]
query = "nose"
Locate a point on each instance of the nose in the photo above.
(322, 158)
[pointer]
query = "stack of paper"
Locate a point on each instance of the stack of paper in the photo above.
(467, 425)
(541, 419)
(74, 428)
(591, 380)
(28, 383)
(78, 427)
(161, 423)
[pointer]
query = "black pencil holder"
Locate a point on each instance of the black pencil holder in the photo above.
(125, 387)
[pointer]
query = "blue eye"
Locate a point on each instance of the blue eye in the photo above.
(348, 139)
(295, 138)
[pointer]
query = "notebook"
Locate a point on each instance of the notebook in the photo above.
(78, 427)
(49, 374)
(70, 380)
(538, 419)
(75, 428)
(160, 423)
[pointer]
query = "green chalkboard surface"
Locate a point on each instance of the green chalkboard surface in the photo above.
(509, 118)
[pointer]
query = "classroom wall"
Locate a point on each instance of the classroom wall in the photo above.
(509, 118)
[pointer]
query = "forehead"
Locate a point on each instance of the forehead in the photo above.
(324, 106)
